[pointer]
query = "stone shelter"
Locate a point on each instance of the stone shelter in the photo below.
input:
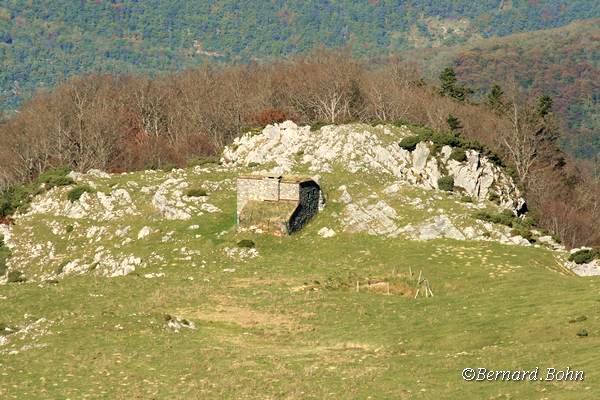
(276, 204)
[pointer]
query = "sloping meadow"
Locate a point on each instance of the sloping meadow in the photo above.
(142, 286)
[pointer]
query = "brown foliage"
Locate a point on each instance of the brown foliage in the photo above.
(269, 116)
(127, 123)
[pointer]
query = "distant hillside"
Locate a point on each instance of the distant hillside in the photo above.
(43, 42)
(563, 63)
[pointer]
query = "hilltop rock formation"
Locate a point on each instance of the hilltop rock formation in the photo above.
(373, 150)
(132, 222)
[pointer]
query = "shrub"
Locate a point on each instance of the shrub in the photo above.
(400, 123)
(78, 191)
(498, 218)
(523, 232)
(317, 126)
(246, 243)
(19, 197)
(446, 183)
(55, 177)
(169, 167)
(493, 196)
(196, 192)
(446, 139)
(69, 228)
(61, 268)
(270, 116)
(16, 277)
(4, 254)
(582, 333)
(253, 164)
(204, 160)
(584, 256)
(13, 199)
(3, 258)
(410, 142)
(458, 154)
(466, 199)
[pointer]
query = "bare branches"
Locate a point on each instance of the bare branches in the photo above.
(124, 123)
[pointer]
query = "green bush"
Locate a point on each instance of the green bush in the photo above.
(246, 243)
(458, 154)
(3, 259)
(4, 254)
(13, 199)
(584, 256)
(203, 160)
(196, 192)
(446, 139)
(16, 277)
(523, 232)
(19, 197)
(317, 126)
(78, 191)
(521, 227)
(253, 164)
(466, 199)
(69, 228)
(55, 177)
(446, 183)
(61, 268)
(498, 218)
(493, 196)
(410, 142)
(169, 167)
(582, 333)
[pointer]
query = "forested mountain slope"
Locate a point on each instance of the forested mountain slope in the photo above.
(43, 42)
(563, 63)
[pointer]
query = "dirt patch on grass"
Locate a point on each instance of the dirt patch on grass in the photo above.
(250, 282)
(243, 316)
(391, 286)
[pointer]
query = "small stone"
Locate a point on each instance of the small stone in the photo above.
(326, 232)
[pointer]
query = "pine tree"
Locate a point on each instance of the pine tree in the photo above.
(495, 98)
(448, 82)
(544, 106)
(454, 123)
(450, 86)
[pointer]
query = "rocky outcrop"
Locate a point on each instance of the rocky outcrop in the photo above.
(98, 206)
(361, 148)
(439, 226)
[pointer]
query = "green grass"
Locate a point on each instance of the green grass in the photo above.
(259, 335)
(290, 323)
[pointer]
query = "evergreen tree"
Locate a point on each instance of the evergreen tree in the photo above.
(448, 81)
(495, 98)
(450, 86)
(544, 106)
(454, 123)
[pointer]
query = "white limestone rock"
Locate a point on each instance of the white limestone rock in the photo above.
(439, 226)
(144, 232)
(326, 232)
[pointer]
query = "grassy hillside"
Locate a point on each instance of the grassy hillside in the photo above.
(201, 317)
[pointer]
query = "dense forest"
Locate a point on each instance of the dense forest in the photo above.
(45, 42)
(121, 123)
